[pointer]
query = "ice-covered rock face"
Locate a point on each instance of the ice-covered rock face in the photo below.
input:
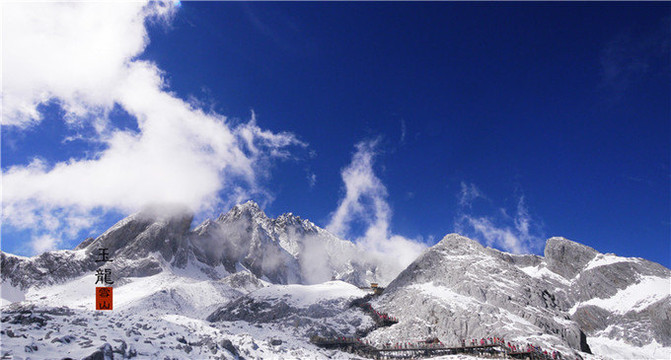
(612, 296)
(135, 239)
(623, 298)
(144, 233)
(460, 290)
(284, 250)
(321, 309)
(49, 268)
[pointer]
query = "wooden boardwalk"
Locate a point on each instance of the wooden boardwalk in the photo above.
(356, 346)
(422, 349)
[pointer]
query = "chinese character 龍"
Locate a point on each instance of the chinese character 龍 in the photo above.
(104, 277)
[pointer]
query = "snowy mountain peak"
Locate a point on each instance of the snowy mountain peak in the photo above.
(458, 244)
(283, 250)
(249, 213)
(566, 257)
(249, 208)
(150, 230)
(289, 219)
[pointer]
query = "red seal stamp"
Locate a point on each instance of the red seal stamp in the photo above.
(104, 298)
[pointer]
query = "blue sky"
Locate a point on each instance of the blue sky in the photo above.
(385, 122)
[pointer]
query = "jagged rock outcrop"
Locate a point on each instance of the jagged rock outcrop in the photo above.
(316, 309)
(284, 250)
(567, 258)
(459, 289)
(131, 243)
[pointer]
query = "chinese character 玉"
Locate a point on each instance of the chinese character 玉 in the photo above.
(103, 256)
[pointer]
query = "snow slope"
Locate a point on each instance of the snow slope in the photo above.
(635, 297)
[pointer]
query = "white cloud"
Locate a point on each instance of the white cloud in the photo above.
(518, 237)
(365, 202)
(44, 243)
(361, 184)
(75, 52)
(84, 55)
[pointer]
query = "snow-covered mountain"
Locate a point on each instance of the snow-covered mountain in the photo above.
(244, 285)
(618, 302)
(285, 250)
(573, 299)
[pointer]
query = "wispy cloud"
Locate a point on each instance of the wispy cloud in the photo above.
(468, 193)
(85, 57)
(518, 234)
(363, 189)
(365, 201)
(312, 179)
(629, 57)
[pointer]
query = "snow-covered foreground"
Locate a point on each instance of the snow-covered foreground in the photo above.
(135, 328)
(78, 334)
(140, 327)
(32, 329)
(619, 350)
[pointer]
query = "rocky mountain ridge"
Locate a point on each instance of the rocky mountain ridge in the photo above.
(573, 298)
(284, 250)
(459, 289)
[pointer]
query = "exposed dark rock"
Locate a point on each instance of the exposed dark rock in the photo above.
(228, 345)
(567, 258)
(103, 353)
(584, 347)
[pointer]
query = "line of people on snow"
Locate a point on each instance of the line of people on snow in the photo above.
(413, 345)
(384, 317)
(484, 341)
(516, 348)
(531, 348)
(538, 350)
(435, 343)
